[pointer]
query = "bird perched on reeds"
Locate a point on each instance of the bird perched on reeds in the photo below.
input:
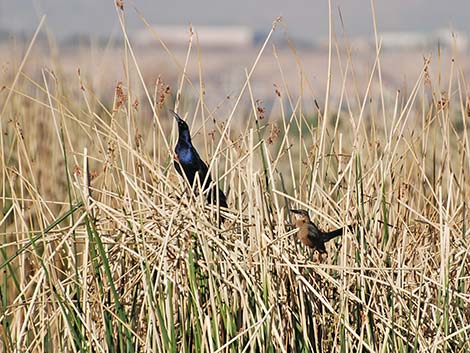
(190, 164)
(310, 235)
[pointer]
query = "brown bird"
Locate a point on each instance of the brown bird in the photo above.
(310, 235)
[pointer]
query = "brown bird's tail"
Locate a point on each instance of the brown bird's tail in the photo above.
(333, 234)
(336, 233)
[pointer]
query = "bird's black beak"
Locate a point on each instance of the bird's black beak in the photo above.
(296, 211)
(177, 117)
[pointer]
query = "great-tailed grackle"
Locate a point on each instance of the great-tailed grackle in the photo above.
(310, 235)
(192, 164)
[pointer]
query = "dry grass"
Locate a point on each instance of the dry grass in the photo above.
(103, 250)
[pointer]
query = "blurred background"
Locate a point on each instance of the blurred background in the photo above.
(306, 19)
(86, 34)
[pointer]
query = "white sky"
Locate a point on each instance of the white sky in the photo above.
(304, 18)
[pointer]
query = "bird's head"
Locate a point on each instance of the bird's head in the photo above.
(183, 128)
(301, 215)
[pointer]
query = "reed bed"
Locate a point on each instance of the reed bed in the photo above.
(104, 249)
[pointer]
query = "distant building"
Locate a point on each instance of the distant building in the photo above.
(404, 40)
(209, 36)
(446, 38)
(450, 38)
(415, 40)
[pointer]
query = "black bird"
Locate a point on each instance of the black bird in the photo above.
(192, 164)
(310, 235)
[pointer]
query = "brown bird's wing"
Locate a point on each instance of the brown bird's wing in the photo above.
(313, 232)
(314, 239)
(317, 238)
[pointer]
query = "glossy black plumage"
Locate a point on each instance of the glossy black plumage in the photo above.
(189, 163)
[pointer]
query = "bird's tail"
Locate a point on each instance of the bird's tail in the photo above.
(336, 233)
(222, 199)
(212, 197)
(333, 234)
